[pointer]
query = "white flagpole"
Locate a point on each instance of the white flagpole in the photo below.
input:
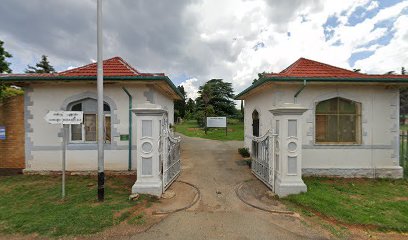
(101, 117)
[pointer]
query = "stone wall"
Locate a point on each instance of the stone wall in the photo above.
(12, 149)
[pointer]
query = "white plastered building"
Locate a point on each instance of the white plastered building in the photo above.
(75, 90)
(350, 124)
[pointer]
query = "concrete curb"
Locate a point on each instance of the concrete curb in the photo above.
(237, 192)
(195, 200)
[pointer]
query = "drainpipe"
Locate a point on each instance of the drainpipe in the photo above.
(130, 128)
(299, 91)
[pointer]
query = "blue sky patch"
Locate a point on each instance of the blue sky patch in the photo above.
(360, 14)
(179, 78)
(328, 26)
(337, 43)
(258, 46)
(358, 56)
(388, 3)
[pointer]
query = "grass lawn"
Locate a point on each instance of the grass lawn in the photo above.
(381, 204)
(32, 204)
(191, 129)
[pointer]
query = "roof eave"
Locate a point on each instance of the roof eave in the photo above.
(395, 81)
(34, 79)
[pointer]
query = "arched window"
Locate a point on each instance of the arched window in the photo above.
(338, 120)
(255, 123)
(87, 132)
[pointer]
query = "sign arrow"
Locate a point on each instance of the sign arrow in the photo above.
(64, 117)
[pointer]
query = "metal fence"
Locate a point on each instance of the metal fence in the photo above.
(170, 153)
(404, 152)
(263, 158)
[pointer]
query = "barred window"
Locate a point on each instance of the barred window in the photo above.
(338, 120)
(87, 131)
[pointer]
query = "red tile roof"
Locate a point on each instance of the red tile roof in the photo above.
(312, 69)
(115, 66)
(112, 67)
(316, 72)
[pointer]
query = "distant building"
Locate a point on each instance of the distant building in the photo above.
(75, 90)
(350, 124)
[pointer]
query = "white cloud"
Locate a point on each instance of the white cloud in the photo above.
(191, 88)
(195, 40)
(392, 56)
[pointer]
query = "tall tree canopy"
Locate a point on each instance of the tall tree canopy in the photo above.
(218, 95)
(190, 106)
(43, 66)
(4, 65)
(180, 105)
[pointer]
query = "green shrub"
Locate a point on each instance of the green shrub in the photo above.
(244, 152)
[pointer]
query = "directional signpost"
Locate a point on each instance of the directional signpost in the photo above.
(64, 118)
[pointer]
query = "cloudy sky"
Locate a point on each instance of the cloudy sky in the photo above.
(193, 41)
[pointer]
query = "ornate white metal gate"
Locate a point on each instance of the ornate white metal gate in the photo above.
(265, 158)
(169, 155)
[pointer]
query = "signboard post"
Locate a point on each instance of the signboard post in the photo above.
(217, 122)
(64, 118)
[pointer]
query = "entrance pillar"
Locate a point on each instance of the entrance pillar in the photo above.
(288, 126)
(149, 119)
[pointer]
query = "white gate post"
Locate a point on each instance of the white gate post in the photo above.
(289, 179)
(149, 118)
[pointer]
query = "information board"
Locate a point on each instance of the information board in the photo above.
(216, 122)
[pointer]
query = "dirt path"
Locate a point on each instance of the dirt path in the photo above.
(215, 168)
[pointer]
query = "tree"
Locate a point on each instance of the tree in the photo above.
(4, 65)
(215, 98)
(190, 109)
(4, 68)
(180, 105)
(242, 110)
(43, 66)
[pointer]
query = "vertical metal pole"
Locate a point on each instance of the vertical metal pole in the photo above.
(226, 126)
(64, 154)
(101, 118)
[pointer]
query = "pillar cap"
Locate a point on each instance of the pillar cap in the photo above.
(148, 108)
(288, 109)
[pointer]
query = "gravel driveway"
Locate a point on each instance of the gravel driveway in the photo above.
(215, 168)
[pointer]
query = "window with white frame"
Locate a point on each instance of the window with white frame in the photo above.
(87, 132)
(338, 121)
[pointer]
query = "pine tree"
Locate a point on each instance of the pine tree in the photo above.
(43, 66)
(4, 65)
(180, 105)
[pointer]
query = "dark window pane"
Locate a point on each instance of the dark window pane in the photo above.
(106, 107)
(321, 123)
(347, 106)
(326, 128)
(347, 128)
(332, 126)
(90, 127)
(76, 132)
(77, 107)
(108, 129)
(327, 107)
